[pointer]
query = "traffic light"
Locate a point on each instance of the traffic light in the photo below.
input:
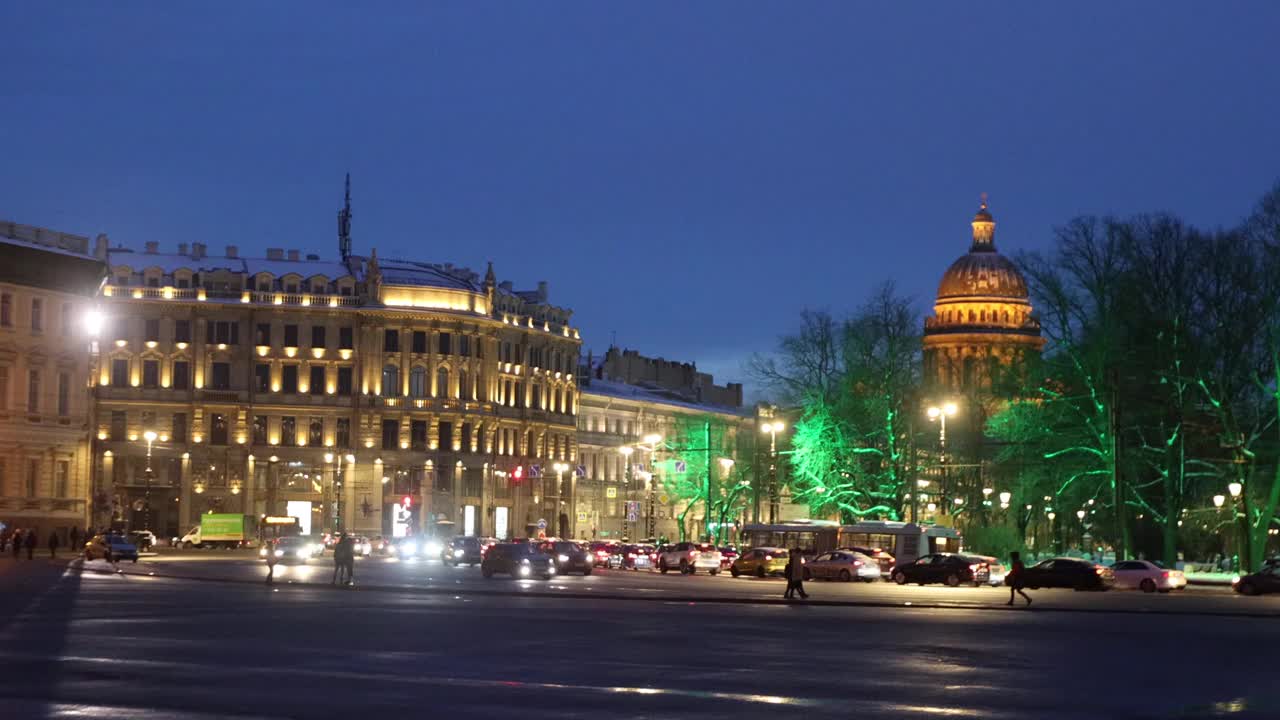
(518, 474)
(407, 503)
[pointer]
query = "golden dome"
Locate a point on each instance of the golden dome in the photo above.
(983, 272)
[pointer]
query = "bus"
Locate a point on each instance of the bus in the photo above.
(905, 541)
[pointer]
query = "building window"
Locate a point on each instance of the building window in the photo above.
(419, 341)
(442, 383)
(289, 378)
(119, 424)
(291, 288)
(262, 377)
(181, 375)
(4, 388)
(182, 281)
(259, 429)
(344, 381)
(179, 427)
(345, 339)
(119, 372)
(217, 429)
(464, 345)
(33, 477)
(537, 396)
(418, 435)
(65, 326)
(390, 434)
(291, 336)
(445, 431)
(150, 373)
(182, 331)
(342, 434)
(391, 341)
(316, 387)
(288, 430)
(445, 344)
(466, 437)
(33, 391)
(6, 310)
(64, 394)
(223, 332)
(464, 385)
(152, 330)
(37, 315)
(418, 382)
(262, 335)
(62, 479)
(317, 336)
(390, 381)
(315, 432)
(221, 376)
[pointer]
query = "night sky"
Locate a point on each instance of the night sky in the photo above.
(691, 175)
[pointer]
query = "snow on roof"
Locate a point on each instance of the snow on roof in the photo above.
(42, 247)
(305, 268)
(612, 388)
(169, 263)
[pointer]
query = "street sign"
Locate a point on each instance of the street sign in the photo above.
(582, 516)
(535, 471)
(681, 466)
(611, 492)
(633, 511)
(580, 471)
(663, 499)
(542, 524)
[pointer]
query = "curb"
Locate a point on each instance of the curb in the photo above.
(696, 599)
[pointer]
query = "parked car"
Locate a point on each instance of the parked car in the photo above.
(144, 539)
(569, 556)
(842, 565)
(1147, 576)
(1068, 573)
(632, 557)
(120, 548)
(949, 568)
(884, 560)
(728, 554)
(1266, 580)
(996, 570)
(517, 560)
(761, 562)
(689, 558)
(464, 550)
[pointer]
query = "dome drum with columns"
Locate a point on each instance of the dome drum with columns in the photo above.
(982, 324)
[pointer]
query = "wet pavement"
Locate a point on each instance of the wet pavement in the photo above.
(142, 646)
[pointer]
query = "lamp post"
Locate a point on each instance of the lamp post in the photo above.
(726, 467)
(773, 427)
(559, 467)
(651, 445)
(626, 451)
(1237, 494)
(150, 437)
(939, 414)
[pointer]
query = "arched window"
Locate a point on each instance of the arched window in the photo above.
(390, 381)
(1006, 316)
(418, 382)
(972, 317)
(442, 383)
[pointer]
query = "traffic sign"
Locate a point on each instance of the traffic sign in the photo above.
(535, 471)
(582, 516)
(681, 466)
(611, 492)
(542, 524)
(580, 471)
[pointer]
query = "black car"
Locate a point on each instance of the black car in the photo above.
(1266, 580)
(518, 560)
(569, 557)
(466, 550)
(949, 568)
(1068, 573)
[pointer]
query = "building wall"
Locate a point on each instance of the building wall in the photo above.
(434, 419)
(632, 368)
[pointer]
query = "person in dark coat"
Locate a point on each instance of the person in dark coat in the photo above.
(30, 541)
(340, 551)
(349, 560)
(271, 563)
(16, 539)
(75, 540)
(53, 545)
(1016, 577)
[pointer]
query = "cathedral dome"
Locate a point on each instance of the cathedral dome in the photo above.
(983, 272)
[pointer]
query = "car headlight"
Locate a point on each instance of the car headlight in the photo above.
(1235, 579)
(552, 570)
(458, 553)
(434, 547)
(524, 569)
(562, 558)
(262, 552)
(279, 553)
(411, 548)
(524, 561)
(302, 554)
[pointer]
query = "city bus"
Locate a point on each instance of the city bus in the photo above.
(905, 541)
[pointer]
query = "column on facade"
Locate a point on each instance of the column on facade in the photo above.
(184, 494)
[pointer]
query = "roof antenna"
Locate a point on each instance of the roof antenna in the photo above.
(613, 338)
(344, 224)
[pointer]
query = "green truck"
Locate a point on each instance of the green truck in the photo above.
(218, 530)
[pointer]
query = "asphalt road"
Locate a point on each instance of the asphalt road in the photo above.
(148, 646)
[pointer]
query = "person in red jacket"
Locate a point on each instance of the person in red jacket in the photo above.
(1015, 578)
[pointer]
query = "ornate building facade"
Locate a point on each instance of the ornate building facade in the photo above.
(356, 393)
(982, 331)
(47, 285)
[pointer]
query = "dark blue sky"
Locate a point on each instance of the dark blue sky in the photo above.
(691, 175)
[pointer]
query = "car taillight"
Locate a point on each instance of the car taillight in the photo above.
(631, 556)
(1164, 574)
(857, 563)
(974, 567)
(695, 553)
(768, 557)
(1099, 570)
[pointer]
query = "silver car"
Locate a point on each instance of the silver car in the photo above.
(843, 565)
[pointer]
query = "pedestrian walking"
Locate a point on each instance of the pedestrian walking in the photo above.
(795, 575)
(339, 561)
(53, 545)
(349, 560)
(17, 542)
(30, 541)
(74, 540)
(271, 563)
(1016, 577)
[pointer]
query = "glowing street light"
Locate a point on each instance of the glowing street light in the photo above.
(1005, 497)
(1235, 489)
(1218, 500)
(1080, 515)
(772, 427)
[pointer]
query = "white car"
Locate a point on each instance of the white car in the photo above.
(1147, 576)
(998, 571)
(843, 565)
(689, 558)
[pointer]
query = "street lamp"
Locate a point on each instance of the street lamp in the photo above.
(626, 451)
(1237, 490)
(1218, 501)
(150, 437)
(1005, 497)
(773, 427)
(559, 467)
(939, 414)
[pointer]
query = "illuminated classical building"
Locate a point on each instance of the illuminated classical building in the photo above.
(982, 332)
(330, 390)
(47, 283)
